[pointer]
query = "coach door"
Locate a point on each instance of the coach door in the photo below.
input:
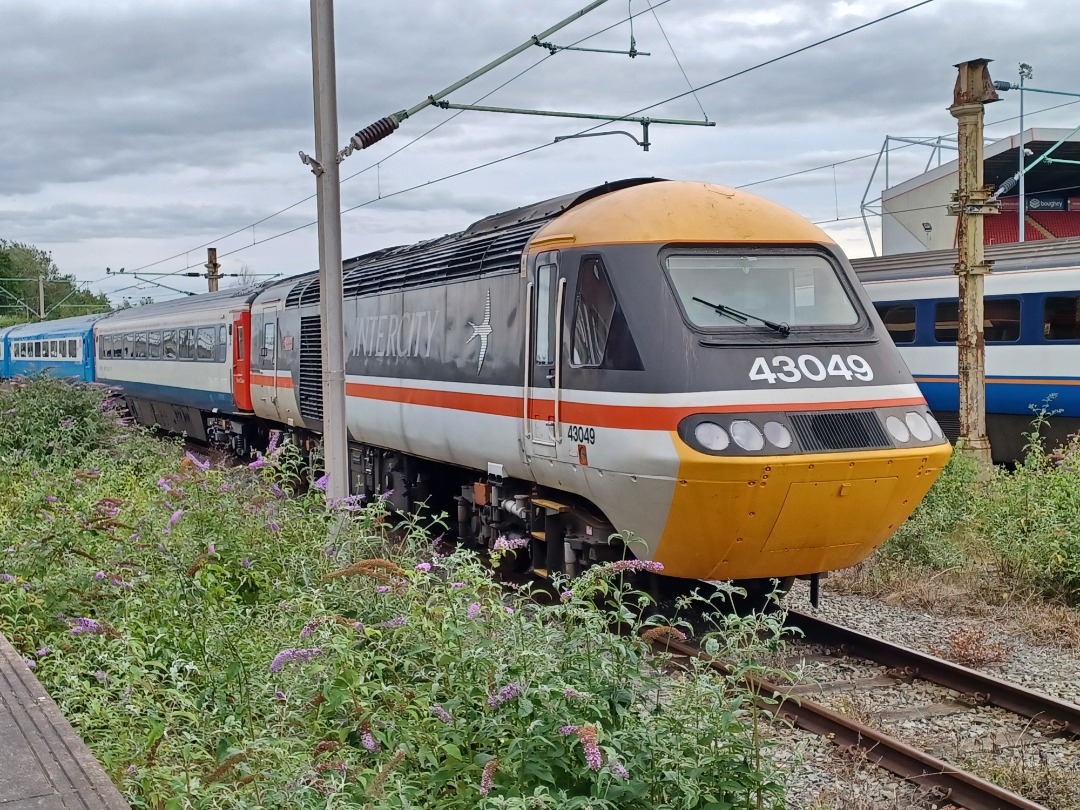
(546, 292)
(266, 375)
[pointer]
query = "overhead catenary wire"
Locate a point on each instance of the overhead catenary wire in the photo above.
(382, 160)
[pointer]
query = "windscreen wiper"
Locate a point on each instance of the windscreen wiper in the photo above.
(742, 317)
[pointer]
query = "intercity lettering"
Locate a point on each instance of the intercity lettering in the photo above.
(406, 335)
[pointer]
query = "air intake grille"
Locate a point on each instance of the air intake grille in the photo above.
(847, 430)
(311, 393)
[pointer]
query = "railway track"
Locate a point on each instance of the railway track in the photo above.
(944, 783)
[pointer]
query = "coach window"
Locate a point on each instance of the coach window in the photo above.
(1001, 320)
(63, 349)
(1061, 317)
(547, 268)
(946, 321)
(269, 340)
(153, 345)
(205, 343)
(239, 343)
(53, 350)
(37, 349)
(187, 343)
(222, 344)
(899, 320)
(140, 346)
(168, 344)
(129, 346)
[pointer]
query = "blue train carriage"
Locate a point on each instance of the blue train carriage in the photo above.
(60, 348)
(1032, 331)
(4, 352)
(174, 362)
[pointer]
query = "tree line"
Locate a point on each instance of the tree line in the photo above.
(21, 266)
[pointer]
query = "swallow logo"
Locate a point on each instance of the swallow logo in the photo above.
(482, 331)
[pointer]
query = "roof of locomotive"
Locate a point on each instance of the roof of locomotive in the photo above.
(641, 209)
(677, 211)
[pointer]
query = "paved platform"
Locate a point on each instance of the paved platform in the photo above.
(43, 763)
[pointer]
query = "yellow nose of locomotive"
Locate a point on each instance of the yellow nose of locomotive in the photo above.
(780, 516)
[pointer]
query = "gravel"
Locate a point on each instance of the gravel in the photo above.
(997, 745)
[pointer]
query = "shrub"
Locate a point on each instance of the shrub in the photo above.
(221, 641)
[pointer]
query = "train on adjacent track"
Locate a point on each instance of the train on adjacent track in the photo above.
(673, 371)
(1031, 328)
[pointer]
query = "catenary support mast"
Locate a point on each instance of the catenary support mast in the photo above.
(971, 202)
(325, 169)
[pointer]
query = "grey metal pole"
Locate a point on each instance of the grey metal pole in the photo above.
(327, 182)
(41, 297)
(1022, 205)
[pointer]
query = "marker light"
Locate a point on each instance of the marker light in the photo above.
(711, 435)
(778, 435)
(934, 426)
(747, 435)
(920, 429)
(897, 429)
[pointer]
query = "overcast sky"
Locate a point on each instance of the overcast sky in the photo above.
(136, 131)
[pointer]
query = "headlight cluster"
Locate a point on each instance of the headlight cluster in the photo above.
(744, 433)
(921, 426)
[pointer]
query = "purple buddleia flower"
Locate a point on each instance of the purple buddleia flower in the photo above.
(245, 563)
(473, 609)
(620, 566)
(367, 740)
(570, 693)
(505, 693)
(258, 463)
(133, 536)
(30, 663)
(5, 577)
(382, 588)
(487, 775)
(566, 731)
(442, 713)
(275, 437)
(211, 549)
(66, 423)
(503, 543)
(80, 626)
(294, 654)
(42, 652)
(46, 515)
(201, 465)
(423, 567)
(273, 526)
(50, 498)
(329, 551)
(618, 770)
(457, 584)
(131, 770)
(309, 628)
(397, 621)
(277, 491)
(100, 676)
(280, 696)
(321, 482)
(224, 487)
(99, 575)
(25, 586)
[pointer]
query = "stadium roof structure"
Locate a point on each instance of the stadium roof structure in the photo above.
(914, 213)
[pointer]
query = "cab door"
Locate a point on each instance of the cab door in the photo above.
(266, 382)
(546, 293)
(241, 360)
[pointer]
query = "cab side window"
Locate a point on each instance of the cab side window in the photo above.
(547, 269)
(600, 336)
(269, 340)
